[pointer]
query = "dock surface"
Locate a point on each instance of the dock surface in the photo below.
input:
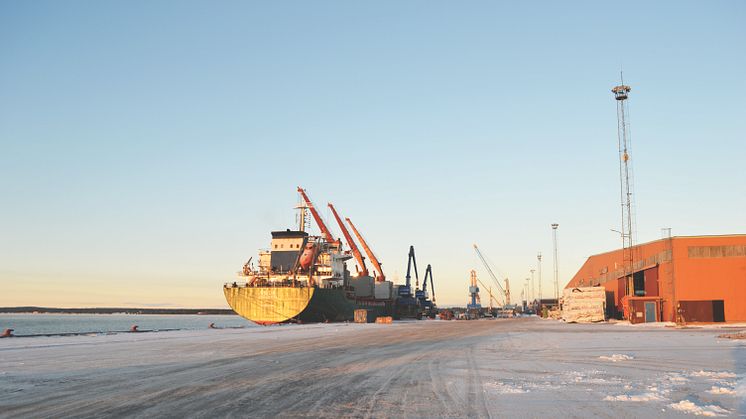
(487, 368)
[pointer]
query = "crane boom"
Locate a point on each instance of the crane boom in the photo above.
(489, 291)
(355, 251)
(373, 259)
(316, 216)
(409, 266)
(489, 270)
(428, 273)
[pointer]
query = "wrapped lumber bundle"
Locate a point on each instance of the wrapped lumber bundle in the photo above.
(584, 305)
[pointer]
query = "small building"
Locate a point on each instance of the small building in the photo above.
(680, 279)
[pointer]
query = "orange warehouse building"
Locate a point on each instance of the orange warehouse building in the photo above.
(681, 279)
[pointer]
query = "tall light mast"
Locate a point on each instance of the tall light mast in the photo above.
(556, 268)
(538, 256)
(621, 93)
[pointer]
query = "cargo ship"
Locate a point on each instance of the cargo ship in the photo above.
(303, 278)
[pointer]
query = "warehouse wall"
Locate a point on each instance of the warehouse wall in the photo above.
(704, 267)
(712, 268)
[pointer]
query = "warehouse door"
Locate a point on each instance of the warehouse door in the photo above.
(651, 282)
(650, 315)
(702, 311)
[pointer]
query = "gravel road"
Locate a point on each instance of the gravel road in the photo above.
(488, 368)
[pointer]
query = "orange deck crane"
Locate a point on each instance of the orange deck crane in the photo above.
(373, 259)
(353, 246)
(316, 216)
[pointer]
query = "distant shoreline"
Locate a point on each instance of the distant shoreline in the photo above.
(115, 310)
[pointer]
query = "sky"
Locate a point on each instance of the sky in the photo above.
(147, 149)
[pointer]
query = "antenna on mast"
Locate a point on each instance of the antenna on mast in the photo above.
(621, 94)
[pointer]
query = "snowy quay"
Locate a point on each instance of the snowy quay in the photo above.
(525, 367)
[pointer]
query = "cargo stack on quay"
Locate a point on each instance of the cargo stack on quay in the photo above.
(305, 279)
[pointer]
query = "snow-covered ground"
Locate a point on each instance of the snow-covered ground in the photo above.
(488, 368)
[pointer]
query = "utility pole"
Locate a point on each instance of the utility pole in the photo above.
(556, 268)
(538, 256)
(526, 285)
(533, 294)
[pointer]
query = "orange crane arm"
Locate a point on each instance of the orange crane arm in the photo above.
(316, 216)
(371, 256)
(353, 246)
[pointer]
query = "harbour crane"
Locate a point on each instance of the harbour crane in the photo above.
(492, 274)
(507, 292)
(406, 303)
(489, 291)
(475, 303)
(355, 251)
(428, 273)
(319, 222)
(373, 259)
(407, 289)
(427, 305)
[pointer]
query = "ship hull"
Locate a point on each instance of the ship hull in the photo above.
(272, 305)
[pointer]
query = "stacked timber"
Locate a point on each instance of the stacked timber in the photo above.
(584, 305)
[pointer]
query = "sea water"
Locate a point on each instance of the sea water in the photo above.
(60, 324)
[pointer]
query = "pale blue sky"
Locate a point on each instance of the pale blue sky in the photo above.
(148, 148)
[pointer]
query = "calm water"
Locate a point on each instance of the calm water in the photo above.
(52, 324)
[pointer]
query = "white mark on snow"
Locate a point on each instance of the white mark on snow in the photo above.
(504, 388)
(707, 410)
(675, 378)
(616, 357)
(721, 390)
(645, 397)
(741, 389)
(713, 374)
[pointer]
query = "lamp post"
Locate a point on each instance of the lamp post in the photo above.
(538, 256)
(533, 294)
(556, 268)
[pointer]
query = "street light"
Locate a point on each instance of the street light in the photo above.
(538, 256)
(556, 268)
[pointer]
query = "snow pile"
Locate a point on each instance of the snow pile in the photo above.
(616, 357)
(651, 325)
(645, 397)
(504, 388)
(721, 390)
(713, 374)
(707, 410)
(675, 378)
